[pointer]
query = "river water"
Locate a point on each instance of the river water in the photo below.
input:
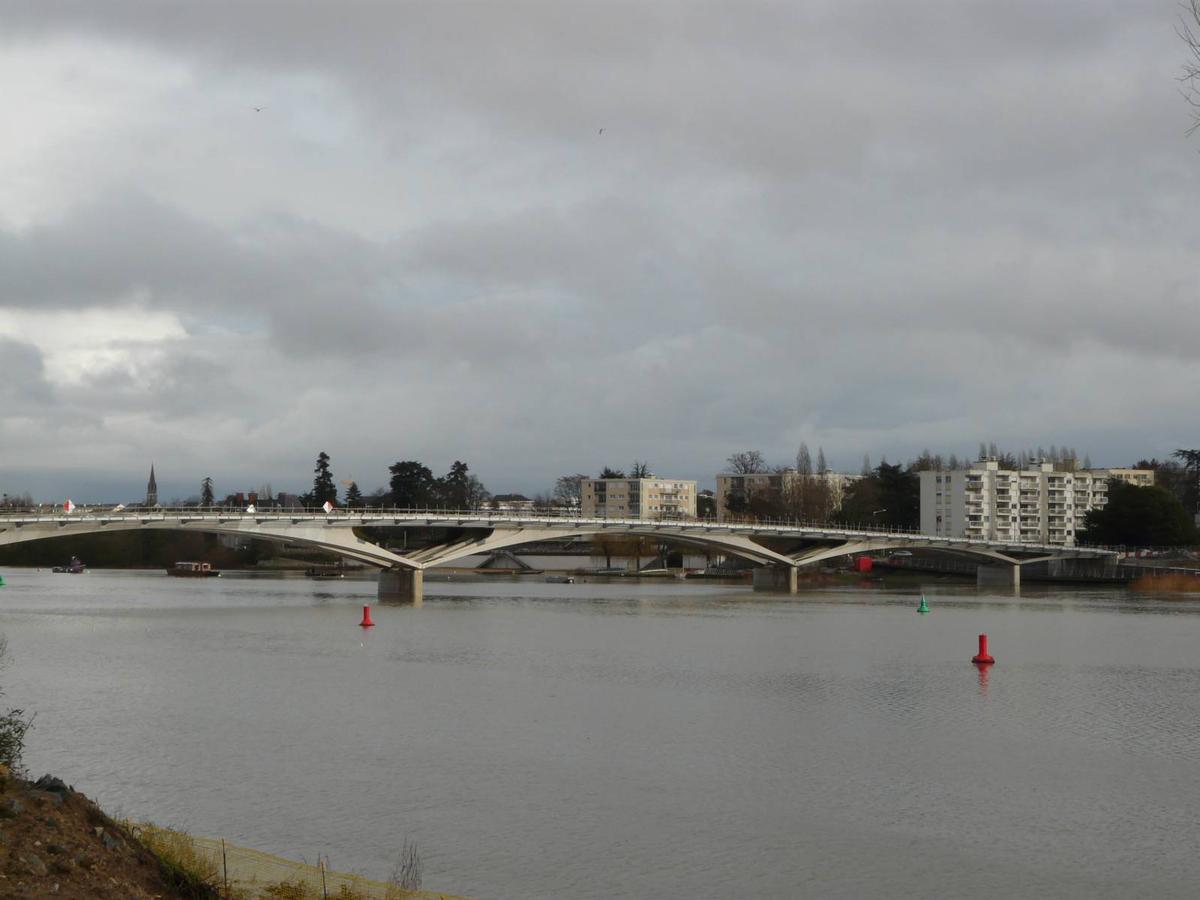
(657, 740)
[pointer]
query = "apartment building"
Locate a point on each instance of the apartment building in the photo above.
(638, 498)
(1037, 504)
(777, 486)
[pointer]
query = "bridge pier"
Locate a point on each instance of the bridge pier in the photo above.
(776, 578)
(402, 586)
(1002, 575)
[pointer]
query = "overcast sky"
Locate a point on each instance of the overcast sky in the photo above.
(870, 226)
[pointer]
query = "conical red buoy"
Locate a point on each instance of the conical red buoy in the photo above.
(982, 658)
(366, 622)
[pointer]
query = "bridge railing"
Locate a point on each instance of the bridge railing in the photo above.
(847, 530)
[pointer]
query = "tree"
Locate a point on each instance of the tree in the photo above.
(1191, 68)
(13, 726)
(640, 469)
(567, 490)
(861, 500)
(803, 460)
(822, 468)
(1139, 517)
(477, 495)
(1191, 481)
(324, 490)
(206, 491)
(866, 466)
(412, 484)
(453, 488)
(809, 499)
(606, 472)
(354, 497)
(747, 462)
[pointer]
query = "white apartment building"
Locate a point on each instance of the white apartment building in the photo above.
(638, 498)
(1033, 505)
(778, 486)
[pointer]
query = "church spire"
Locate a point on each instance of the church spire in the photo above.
(152, 489)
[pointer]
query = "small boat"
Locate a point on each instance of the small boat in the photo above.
(193, 570)
(324, 573)
(74, 567)
(559, 579)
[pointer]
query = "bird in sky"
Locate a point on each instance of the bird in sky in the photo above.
(601, 131)
(258, 108)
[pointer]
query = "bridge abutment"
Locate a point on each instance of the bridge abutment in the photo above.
(402, 586)
(1003, 575)
(776, 578)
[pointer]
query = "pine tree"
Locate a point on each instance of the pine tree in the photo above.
(454, 488)
(821, 466)
(324, 490)
(206, 491)
(354, 497)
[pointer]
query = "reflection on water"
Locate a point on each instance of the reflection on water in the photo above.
(625, 739)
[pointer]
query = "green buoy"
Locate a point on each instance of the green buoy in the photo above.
(924, 607)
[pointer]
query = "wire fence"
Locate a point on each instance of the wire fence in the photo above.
(240, 872)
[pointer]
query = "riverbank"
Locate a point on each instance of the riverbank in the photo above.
(55, 842)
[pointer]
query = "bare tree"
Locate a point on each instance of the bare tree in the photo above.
(1190, 79)
(640, 469)
(803, 460)
(567, 488)
(747, 462)
(408, 870)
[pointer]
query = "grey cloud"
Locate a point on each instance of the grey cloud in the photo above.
(23, 385)
(867, 225)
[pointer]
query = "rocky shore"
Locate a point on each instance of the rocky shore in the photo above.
(55, 842)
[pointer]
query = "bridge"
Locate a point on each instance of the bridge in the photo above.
(441, 537)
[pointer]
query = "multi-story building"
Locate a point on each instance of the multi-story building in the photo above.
(638, 498)
(1038, 504)
(778, 487)
(1136, 477)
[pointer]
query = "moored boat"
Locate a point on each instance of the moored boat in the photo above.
(324, 573)
(193, 570)
(74, 567)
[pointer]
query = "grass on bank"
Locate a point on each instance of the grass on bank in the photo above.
(195, 865)
(1173, 582)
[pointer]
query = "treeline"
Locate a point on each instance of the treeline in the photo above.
(1165, 515)
(885, 496)
(890, 495)
(411, 484)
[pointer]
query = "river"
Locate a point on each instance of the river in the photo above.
(656, 740)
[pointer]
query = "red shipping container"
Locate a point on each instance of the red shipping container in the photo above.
(863, 564)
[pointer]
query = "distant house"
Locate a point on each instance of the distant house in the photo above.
(511, 503)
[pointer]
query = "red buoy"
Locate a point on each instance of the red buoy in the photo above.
(366, 622)
(982, 658)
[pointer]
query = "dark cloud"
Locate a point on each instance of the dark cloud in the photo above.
(871, 226)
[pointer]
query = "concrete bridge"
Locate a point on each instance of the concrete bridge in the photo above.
(432, 538)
